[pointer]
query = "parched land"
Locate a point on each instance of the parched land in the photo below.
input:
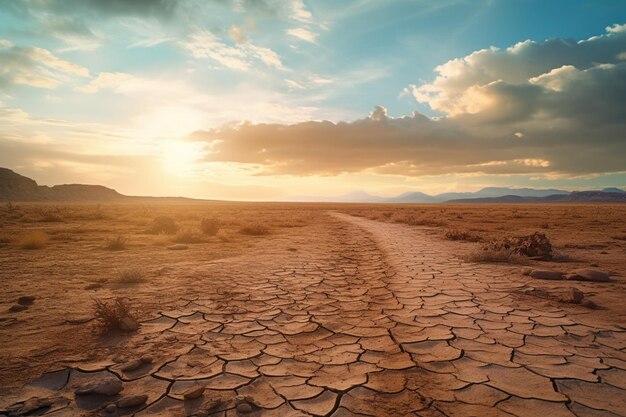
(310, 310)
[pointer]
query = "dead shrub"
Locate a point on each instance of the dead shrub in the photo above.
(462, 235)
(113, 316)
(48, 214)
(34, 239)
(164, 225)
(116, 243)
(255, 230)
(187, 236)
(210, 226)
(536, 246)
(130, 276)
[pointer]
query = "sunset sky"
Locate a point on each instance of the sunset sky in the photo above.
(270, 99)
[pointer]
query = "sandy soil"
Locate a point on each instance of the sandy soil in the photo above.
(338, 310)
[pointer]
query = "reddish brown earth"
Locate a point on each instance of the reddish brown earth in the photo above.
(329, 314)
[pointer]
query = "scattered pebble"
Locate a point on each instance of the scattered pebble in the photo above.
(129, 324)
(244, 408)
(110, 408)
(17, 307)
(132, 401)
(93, 286)
(132, 365)
(574, 296)
(146, 359)
(586, 274)
(546, 274)
(26, 300)
(194, 392)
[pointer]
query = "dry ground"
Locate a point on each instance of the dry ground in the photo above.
(336, 310)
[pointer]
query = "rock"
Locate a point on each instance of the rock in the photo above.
(132, 401)
(574, 296)
(26, 300)
(110, 408)
(526, 271)
(129, 324)
(194, 392)
(146, 359)
(93, 286)
(546, 274)
(244, 408)
(105, 386)
(132, 365)
(586, 274)
(34, 404)
(177, 247)
(589, 304)
(17, 307)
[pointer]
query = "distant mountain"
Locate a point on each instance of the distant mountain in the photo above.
(613, 190)
(487, 192)
(574, 197)
(16, 187)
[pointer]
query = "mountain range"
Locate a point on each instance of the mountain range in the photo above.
(16, 187)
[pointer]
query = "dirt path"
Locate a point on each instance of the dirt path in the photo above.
(365, 319)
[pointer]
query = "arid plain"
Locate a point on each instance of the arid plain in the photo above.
(279, 309)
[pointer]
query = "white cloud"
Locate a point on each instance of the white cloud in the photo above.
(300, 12)
(304, 34)
(106, 80)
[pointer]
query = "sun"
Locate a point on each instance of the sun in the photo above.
(179, 157)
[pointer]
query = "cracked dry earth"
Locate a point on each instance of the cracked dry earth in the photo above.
(384, 321)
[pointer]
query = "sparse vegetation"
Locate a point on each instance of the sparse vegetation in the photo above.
(116, 243)
(164, 225)
(255, 230)
(49, 214)
(130, 276)
(113, 316)
(536, 246)
(494, 255)
(34, 239)
(187, 236)
(210, 226)
(462, 235)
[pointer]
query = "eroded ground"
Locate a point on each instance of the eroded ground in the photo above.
(338, 316)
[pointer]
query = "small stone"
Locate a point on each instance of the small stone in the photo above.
(132, 365)
(146, 359)
(546, 274)
(17, 307)
(132, 401)
(526, 271)
(177, 247)
(93, 286)
(33, 404)
(589, 304)
(244, 408)
(110, 408)
(194, 392)
(586, 274)
(106, 386)
(26, 300)
(128, 324)
(574, 296)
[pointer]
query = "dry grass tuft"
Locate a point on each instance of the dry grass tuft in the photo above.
(254, 230)
(462, 235)
(187, 236)
(116, 243)
(210, 226)
(35, 239)
(48, 214)
(111, 316)
(130, 276)
(164, 225)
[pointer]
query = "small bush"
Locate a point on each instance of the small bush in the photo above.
(210, 226)
(186, 236)
(49, 214)
(536, 246)
(35, 239)
(164, 225)
(254, 230)
(130, 276)
(462, 235)
(113, 316)
(116, 243)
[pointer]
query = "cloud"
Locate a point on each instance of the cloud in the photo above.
(241, 57)
(554, 108)
(36, 67)
(304, 34)
(106, 80)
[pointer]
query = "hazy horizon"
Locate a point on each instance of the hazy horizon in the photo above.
(270, 100)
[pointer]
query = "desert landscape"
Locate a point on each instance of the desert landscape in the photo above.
(313, 208)
(310, 310)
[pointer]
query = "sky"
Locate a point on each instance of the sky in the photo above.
(275, 99)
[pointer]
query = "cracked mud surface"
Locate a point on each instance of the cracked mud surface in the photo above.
(372, 319)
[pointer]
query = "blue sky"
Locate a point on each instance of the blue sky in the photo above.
(227, 99)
